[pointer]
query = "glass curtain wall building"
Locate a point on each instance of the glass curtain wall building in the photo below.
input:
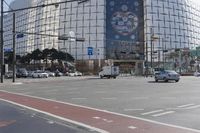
(117, 30)
(175, 23)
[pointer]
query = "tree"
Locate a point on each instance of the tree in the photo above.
(8, 57)
(70, 58)
(46, 54)
(26, 59)
(36, 55)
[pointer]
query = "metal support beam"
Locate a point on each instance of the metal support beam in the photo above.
(2, 44)
(14, 50)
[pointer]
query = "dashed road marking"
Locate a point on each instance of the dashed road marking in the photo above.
(152, 112)
(140, 98)
(102, 119)
(133, 110)
(109, 98)
(193, 107)
(100, 92)
(132, 127)
(79, 98)
(186, 105)
(164, 113)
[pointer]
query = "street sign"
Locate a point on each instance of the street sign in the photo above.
(20, 35)
(90, 50)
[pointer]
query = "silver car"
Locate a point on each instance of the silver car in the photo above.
(167, 75)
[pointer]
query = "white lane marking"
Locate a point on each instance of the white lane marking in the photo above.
(133, 110)
(28, 93)
(109, 98)
(152, 112)
(132, 127)
(140, 98)
(100, 92)
(17, 83)
(193, 107)
(124, 92)
(103, 119)
(73, 92)
(108, 121)
(78, 98)
(168, 98)
(58, 117)
(97, 118)
(164, 113)
(186, 105)
(95, 109)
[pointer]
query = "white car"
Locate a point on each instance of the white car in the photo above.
(51, 74)
(197, 74)
(167, 75)
(76, 73)
(39, 74)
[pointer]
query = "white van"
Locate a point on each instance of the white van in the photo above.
(109, 72)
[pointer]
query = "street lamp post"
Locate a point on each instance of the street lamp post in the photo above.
(2, 45)
(14, 49)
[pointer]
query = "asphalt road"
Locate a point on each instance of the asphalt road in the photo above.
(171, 103)
(14, 119)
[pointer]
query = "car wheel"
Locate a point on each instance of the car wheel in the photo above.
(101, 76)
(176, 80)
(156, 80)
(165, 79)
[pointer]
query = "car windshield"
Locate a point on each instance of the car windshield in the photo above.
(171, 72)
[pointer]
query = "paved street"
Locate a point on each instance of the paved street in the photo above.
(175, 104)
(14, 119)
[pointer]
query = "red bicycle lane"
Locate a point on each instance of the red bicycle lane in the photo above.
(99, 120)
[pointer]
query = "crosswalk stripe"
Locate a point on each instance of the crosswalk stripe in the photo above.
(164, 113)
(152, 112)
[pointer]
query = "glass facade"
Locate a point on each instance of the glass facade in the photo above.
(176, 24)
(114, 29)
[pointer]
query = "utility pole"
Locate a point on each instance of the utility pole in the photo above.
(14, 49)
(2, 51)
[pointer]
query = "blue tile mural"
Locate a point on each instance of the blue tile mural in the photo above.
(124, 29)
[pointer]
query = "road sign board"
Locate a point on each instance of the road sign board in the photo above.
(90, 50)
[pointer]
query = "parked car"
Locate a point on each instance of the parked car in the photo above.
(39, 74)
(72, 74)
(30, 73)
(167, 75)
(9, 74)
(58, 73)
(197, 74)
(77, 73)
(51, 74)
(22, 72)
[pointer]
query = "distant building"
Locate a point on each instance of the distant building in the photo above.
(115, 31)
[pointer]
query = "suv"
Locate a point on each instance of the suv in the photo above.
(22, 72)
